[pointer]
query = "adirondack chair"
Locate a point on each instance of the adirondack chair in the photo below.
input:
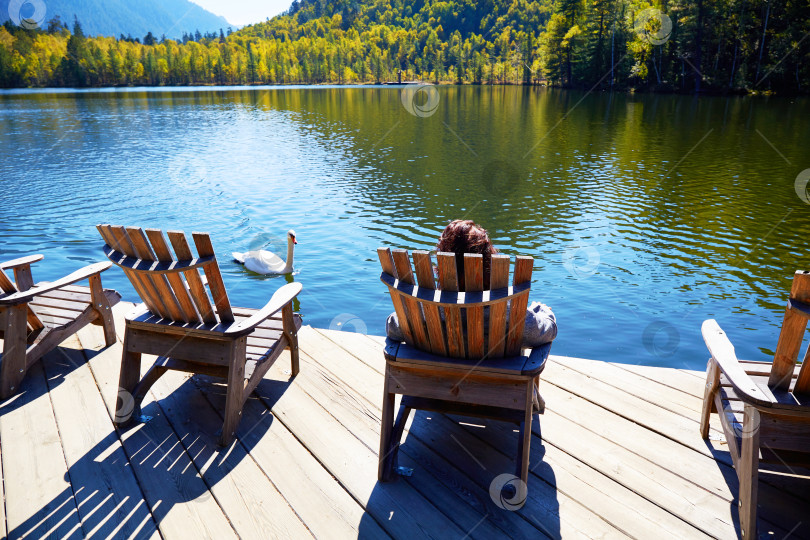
(34, 319)
(764, 406)
(178, 323)
(451, 361)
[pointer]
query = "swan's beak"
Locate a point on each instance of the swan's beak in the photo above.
(295, 241)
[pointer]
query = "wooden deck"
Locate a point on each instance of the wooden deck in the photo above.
(610, 462)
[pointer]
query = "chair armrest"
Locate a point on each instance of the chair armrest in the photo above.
(78, 275)
(723, 353)
(536, 362)
(281, 298)
(22, 261)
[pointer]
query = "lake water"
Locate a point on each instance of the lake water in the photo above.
(646, 214)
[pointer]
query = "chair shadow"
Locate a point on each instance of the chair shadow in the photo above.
(129, 481)
(776, 478)
(457, 472)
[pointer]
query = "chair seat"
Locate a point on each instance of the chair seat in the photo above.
(529, 365)
(60, 307)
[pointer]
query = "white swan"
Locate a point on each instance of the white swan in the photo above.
(265, 262)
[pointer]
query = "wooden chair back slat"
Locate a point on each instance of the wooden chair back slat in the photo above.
(474, 282)
(387, 263)
(195, 283)
(517, 309)
(433, 317)
(144, 251)
(448, 281)
(116, 238)
(498, 278)
(788, 347)
(108, 236)
(163, 254)
(8, 287)
(215, 283)
(416, 319)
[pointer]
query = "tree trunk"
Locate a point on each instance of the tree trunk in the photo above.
(762, 43)
(699, 45)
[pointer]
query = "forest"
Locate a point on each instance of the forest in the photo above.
(715, 46)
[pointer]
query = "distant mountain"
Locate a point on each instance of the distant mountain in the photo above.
(135, 17)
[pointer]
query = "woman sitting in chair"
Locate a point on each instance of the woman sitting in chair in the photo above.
(465, 236)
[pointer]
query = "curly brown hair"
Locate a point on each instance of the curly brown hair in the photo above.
(465, 236)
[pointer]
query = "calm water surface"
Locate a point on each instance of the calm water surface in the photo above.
(645, 214)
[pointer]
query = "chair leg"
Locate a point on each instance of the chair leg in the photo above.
(125, 407)
(12, 366)
(103, 308)
(748, 473)
(235, 393)
(292, 336)
(395, 440)
(712, 382)
(386, 429)
(525, 437)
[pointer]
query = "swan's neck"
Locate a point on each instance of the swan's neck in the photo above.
(290, 251)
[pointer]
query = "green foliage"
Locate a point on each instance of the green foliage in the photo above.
(717, 45)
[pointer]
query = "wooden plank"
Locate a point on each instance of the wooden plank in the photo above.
(424, 274)
(496, 335)
(109, 499)
(162, 253)
(179, 499)
(641, 387)
(324, 506)
(517, 309)
(677, 379)
(249, 499)
(414, 313)
(387, 264)
(474, 282)
(448, 281)
(204, 248)
(195, 284)
(790, 337)
(39, 501)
